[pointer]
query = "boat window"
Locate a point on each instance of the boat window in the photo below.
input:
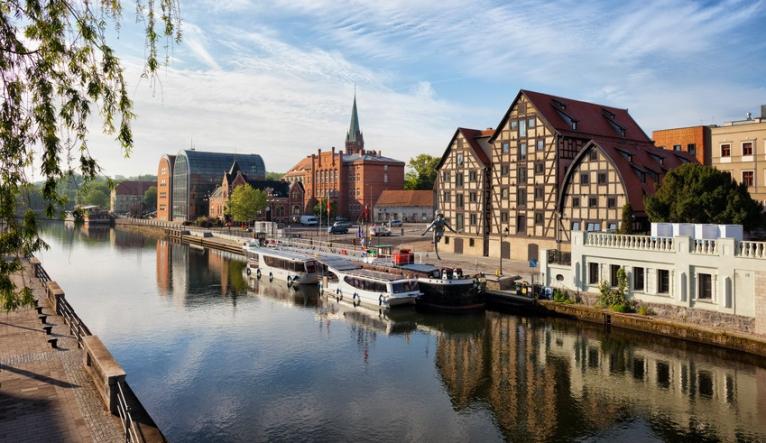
(311, 266)
(405, 286)
(366, 285)
(252, 256)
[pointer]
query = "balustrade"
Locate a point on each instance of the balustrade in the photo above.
(752, 249)
(626, 241)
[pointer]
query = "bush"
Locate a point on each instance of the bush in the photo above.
(560, 296)
(615, 298)
(644, 310)
(202, 221)
(622, 308)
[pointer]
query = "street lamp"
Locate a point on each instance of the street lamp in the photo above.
(504, 230)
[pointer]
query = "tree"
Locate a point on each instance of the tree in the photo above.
(150, 199)
(57, 68)
(693, 193)
(626, 224)
(422, 174)
(95, 192)
(246, 202)
(270, 175)
(321, 208)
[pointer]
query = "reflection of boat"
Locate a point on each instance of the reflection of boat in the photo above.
(88, 215)
(294, 267)
(364, 286)
(387, 322)
(303, 295)
(446, 289)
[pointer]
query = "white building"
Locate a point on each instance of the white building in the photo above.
(694, 278)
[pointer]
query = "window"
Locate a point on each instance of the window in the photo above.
(747, 178)
(504, 193)
(593, 155)
(460, 160)
(692, 148)
(611, 202)
(747, 148)
(472, 176)
(459, 200)
(704, 286)
(521, 224)
(531, 122)
(522, 174)
(538, 218)
(445, 176)
(611, 226)
(592, 202)
(459, 179)
(663, 281)
(540, 144)
(584, 178)
(504, 170)
(539, 168)
(503, 217)
(472, 197)
(676, 147)
(601, 178)
(593, 226)
(521, 197)
(725, 150)
(539, 192)
(470, 242)
(522, 151)
(445, 196)
(575, 226)
(575, 202)
(514, 125)
(638, 279)
(472, 219)
(506, 147)
(459, 224)
(593, 273)
(522, 128)
(613, 270)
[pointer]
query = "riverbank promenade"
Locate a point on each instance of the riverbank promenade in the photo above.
(45, 392)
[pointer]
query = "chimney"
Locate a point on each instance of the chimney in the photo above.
(319, 155)
(763, 111)
(333, 155)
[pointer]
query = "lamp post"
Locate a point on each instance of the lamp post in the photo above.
(503, 230)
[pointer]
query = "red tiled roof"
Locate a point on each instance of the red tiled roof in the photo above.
(481, 150)
(133, 187)
(391, 197)
(632, 159)
(593, 120)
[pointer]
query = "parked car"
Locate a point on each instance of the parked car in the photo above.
(394, 223)
(379, 231)
(337, 229)
(309, 220)
(342, 224)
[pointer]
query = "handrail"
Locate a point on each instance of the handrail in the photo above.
(126, 418)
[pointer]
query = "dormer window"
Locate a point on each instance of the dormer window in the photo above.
(611, 118)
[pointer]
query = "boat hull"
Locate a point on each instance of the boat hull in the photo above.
(450, 295)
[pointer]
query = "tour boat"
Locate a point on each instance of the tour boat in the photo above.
(446, 289)
(294, 267)
(363, 286)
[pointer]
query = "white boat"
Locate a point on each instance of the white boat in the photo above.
(293, 267)
(374, 288)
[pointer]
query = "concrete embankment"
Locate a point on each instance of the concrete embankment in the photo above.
(726, 339)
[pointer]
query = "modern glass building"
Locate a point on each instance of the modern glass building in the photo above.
(196, 174)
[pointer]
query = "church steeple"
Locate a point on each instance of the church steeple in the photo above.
(354, 137)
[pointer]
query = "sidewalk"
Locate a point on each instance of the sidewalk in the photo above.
(45, 393)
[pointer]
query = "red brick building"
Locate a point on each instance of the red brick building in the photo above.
(165, 188)
(694, 139)
(278, 201)
(352, 180)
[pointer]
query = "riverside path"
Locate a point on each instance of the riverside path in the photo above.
(46, 393)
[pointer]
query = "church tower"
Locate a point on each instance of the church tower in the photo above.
(354, 137)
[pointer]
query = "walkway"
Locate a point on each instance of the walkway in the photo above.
(46, 394)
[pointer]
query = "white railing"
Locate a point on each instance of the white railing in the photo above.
(625, 241)
(703, 246)
(752, 249)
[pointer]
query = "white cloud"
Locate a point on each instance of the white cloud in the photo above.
(196, 40)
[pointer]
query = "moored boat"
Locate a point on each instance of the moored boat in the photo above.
(373, 288)
(270, 263)
(446, 289)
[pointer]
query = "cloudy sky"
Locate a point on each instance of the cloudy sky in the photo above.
(277, 77)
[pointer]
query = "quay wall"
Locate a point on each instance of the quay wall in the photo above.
(107, 374)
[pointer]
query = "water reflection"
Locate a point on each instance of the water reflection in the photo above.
(294, 365)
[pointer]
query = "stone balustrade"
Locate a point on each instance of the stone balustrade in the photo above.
(626, 241)
(703, 246)
(752, 249)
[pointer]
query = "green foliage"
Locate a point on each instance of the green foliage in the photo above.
(246, 202)
(693, 193)
(150, 199)
(271, 175)
(644, 310)
(204, 222)
(626, 224)
(422, 173)
(615, 298)
(322, 206)
(58, 72)
(560, 296)
(94, 192)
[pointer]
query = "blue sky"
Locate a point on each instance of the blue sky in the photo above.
(277, 77)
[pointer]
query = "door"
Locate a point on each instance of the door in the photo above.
(458, 246)
(505, 250)
(532, 250)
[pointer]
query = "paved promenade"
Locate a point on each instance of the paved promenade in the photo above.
(46, 394)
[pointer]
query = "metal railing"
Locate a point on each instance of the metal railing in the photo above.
(126, 418)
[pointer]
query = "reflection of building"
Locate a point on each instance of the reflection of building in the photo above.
(165, 188)
(164, 260)
(551, 380)
(352, 180)
(405, 205)
(196, 174)
(535, 153)
(739, 147)
(694, 140)
(128, 197)
(276, 195)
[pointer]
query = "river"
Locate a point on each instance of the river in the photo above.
(213, 359)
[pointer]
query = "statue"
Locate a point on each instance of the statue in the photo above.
(437, 226)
